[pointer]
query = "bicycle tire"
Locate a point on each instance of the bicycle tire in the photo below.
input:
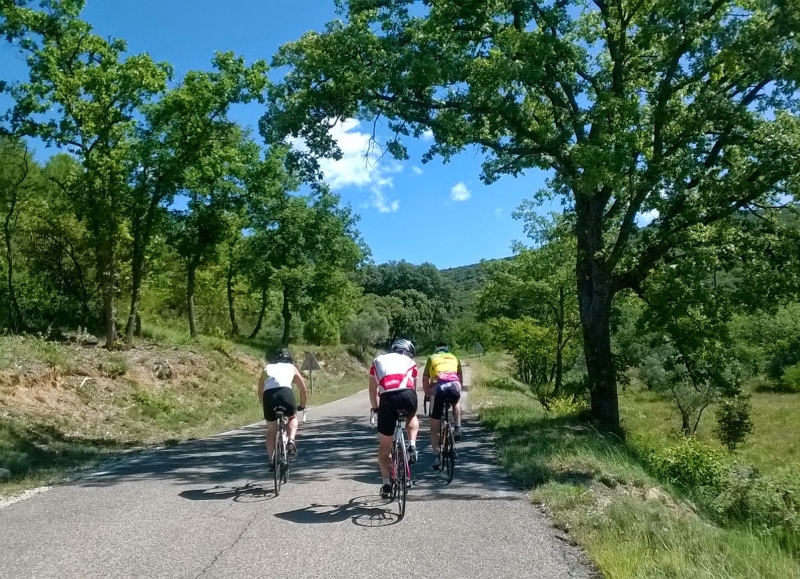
(449, 454)
(278, 462)
(402, 483)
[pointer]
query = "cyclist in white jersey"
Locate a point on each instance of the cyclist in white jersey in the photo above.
(393, 377)
(275, 390)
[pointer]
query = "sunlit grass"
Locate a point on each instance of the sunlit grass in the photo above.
(595, 486)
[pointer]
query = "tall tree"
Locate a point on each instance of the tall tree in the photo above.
(683, 111)
(16, 168)
(214, 190)
(83, 96)
(539, 284)
(180, 131)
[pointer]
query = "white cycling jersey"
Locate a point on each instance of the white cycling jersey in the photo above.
(279, 375)
(393, 371)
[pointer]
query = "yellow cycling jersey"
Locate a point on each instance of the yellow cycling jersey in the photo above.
(442, 367)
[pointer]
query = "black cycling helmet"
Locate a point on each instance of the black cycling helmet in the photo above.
(441, 347)
(282, 356)
(402, 346)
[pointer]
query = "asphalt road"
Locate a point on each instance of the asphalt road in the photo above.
(206, 509)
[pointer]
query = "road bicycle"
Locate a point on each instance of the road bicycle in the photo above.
(280, 459)
(399, 468)
(447, 443)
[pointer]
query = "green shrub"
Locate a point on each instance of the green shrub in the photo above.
(115, 366)
(152, 405)
(569, 406)
(733, 421)
(690, 464)
(748, 497)
(790, 380)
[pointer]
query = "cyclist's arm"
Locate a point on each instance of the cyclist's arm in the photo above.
(261, 381)
(460, 373)
(301, 385)
(373, 391)
(426, 379)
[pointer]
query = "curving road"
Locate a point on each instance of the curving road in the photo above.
(206, 509)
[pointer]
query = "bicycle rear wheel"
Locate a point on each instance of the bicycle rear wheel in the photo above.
(448, 453)
(401, 481)
(277, 462)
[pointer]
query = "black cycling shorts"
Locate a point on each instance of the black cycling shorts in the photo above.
(275, 397)
(447, 393)
(390, 405)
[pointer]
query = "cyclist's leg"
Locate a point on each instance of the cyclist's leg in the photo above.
(272, 423)
(387, 418)
(409, 401)
(287, 401)
(437, 408)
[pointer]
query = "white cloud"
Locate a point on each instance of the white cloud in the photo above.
(360, 165)
(417, 170)
(459, 192)
(647, 217)
(498, 211)
(427, 135)
(382, 204)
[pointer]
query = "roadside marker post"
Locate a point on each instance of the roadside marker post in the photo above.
(310, 364)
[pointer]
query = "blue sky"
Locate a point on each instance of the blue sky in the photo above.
(435, 212)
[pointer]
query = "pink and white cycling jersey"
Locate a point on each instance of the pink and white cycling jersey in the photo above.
(391, 370)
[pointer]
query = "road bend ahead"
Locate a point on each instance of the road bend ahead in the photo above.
(206, 509)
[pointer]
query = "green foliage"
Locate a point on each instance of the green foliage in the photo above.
(685, 113)
(115, 365)
(366, 330)
(690, 464)
(321, 328)
(733, 421)
(751, 498)
(790, 380)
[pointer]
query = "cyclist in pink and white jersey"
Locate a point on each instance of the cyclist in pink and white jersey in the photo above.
(393, 378)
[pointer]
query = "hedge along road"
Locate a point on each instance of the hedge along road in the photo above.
(206, 509)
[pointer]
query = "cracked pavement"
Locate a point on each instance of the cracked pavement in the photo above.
(206, 509)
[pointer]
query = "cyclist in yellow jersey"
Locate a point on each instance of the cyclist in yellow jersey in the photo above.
(441, 382)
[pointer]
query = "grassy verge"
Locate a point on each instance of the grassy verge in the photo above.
(63, 405)
(599, 489)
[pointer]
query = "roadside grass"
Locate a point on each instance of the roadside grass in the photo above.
(63, 406)
(598, 489)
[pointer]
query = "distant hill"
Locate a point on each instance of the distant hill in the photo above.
(467, 278)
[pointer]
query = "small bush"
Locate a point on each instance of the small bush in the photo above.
(733, 421)
(152, 405)
(748, 497)
(571, 406)
(790, 380)
(690, 464)
(115, 366)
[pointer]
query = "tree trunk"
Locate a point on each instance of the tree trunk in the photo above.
(257, 329)
(136, 287)
(287, 318)
(595, 293)
(190, 279)
(15, 321)
(109, 276)
(141, 240)
(560, 345)
(231, 308)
